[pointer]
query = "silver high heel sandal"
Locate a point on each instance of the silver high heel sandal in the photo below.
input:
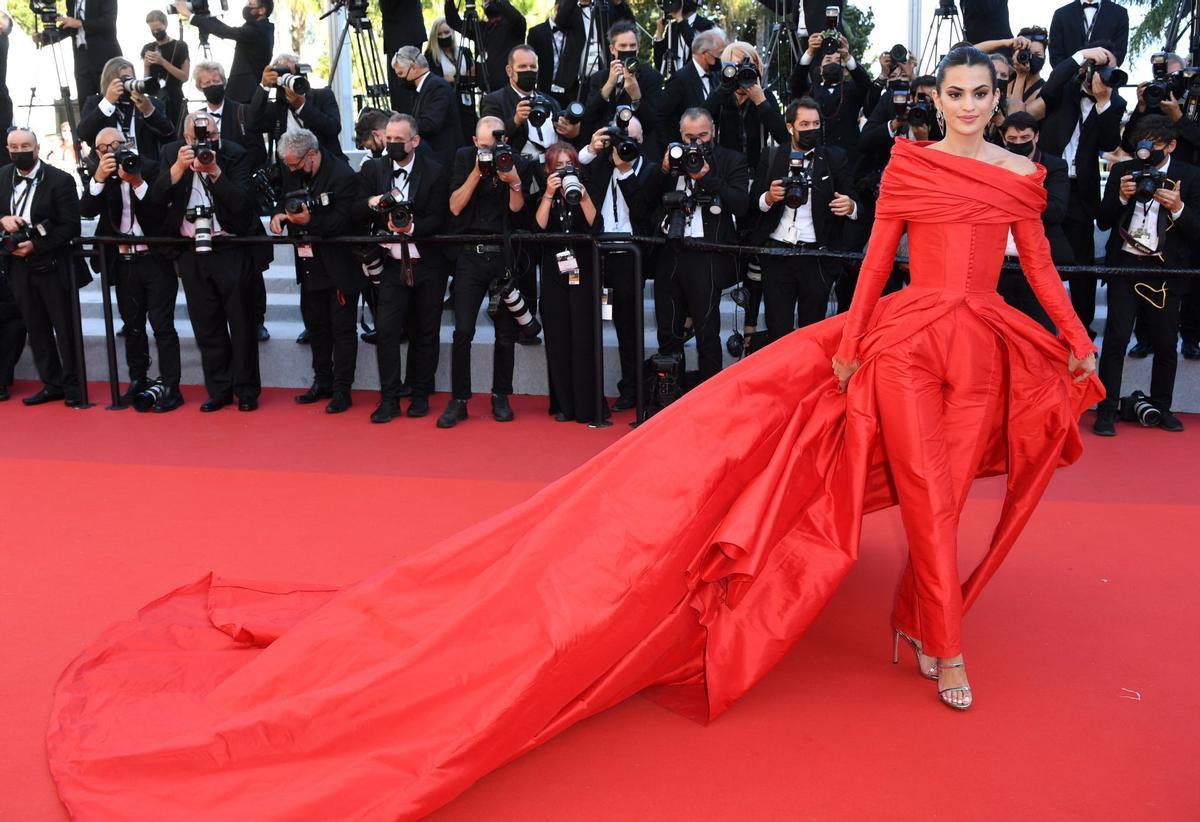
(928, 673)
(963, 700)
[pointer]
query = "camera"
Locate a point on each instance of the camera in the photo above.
(45, 13)
(9, 240)
(295, 80)
(1036, 35)
(205, 147)
(667, 375)
(739, 75)
(685, 158)
(946, 8)
(1164, 84)
(920, 113)
(129, 160)
(399, 210)
(370, 257)
(148, 397)
(201, 217)
(627, 148)
(497, 158)
(1138, 408)
(830, 42)
(572, 186)
(541, 109)
(1111, 76)
(797, 183)
(147, 85)
(267, 181)
(670, 6)
(198, 8)
(296, 201)
(573, 113)
(504, 290)
(1147, 178)
(899, 54)
(899, 90)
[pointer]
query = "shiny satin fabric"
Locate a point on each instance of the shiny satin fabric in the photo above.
(229, 699)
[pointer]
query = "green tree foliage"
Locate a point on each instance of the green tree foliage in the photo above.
(1154, 30)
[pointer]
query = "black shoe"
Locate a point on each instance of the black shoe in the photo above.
(215, 404)
(455, 413)
(1105, 425)
(405, 390)
(313, 394)
(386, 411)
(1140, 351)
(168, 401)
(4, 395)
(248, 404)
(624, 404)
(419, 406)
(136, 387)
(303, 338)
(73, 402)
(263, 333)
(501, 410)
(1191, 351)
(369, 337)
(562, 416)
(44, 396)
(1170, 422)
(124, 332)
(341, 401)
(534, 340)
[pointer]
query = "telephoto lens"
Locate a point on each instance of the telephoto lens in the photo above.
(371, 259)
(572, 186)
(574, 112)
(1138, 408)
(148, 397)
(148, 85)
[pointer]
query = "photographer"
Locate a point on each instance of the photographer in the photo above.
(626, 82)
(484, 199)
(1004, 75)
(1146, 206)
(39, 205)
(841, 99)
(675, 33)
(567, 305)
(6, 104)
(587, 26)
(1028, 53)
(403, 25)
(1082, 120)
(255, 38)
(802, 193)
(690, 281)
(747, 116)
(167, 61)
(319, 192)
(370, 130)
(896, 64)
(142, 119)
(893, 117)
(202, 193)
(413, 278)
(296, 106)
(227, 113)
(448, 59)
(617, 174)
(514, 105)
(503, 30)
(1078, 26)
(92, 27)
(118, 195)
(692, 82)
(1169, 102)
(433, 104)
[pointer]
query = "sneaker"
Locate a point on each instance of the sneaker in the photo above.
(455, 413)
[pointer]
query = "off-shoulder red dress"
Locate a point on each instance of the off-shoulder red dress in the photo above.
(229, 699)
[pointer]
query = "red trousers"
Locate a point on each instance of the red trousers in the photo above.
(938, 395)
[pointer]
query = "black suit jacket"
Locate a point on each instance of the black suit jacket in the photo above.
(437, 112)
(729, 179)
(541, 40)
(251, 55)
(334, 262)
(830, 175)
(985, 20)
(235, 128)
(100, 31)
(600, 112)
(840, 104)
(570, 19)
(746, 130)
(1058, 193)
(319, 114)
(503, 104)
(55, 205)
(108, 207)
(500, 34)
(681, 92)
(600, 173)
(428, 191)
(465, 222)
(403, 24)
(1176, 236)
(151, 132)
(1099, 132)
(1068, 30)
(686, 32)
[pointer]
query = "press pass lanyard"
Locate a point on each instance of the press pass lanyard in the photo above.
(18, 203)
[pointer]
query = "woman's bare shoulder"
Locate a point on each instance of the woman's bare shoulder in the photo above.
(1004, 158)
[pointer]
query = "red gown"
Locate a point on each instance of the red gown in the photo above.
(228, 699)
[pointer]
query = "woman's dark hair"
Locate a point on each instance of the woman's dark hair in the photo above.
(965, 56)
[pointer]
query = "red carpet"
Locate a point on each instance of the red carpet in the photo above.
(1081, 650)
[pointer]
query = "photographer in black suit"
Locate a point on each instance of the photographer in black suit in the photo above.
(689, 282)
(674, 34)
(985, 20)
(413, 278)
(503, 29)
(255, 39)
(138, 116)
(692, 82)
(403, 25)
(319, 197)
(119, 195)
(1079, 124)
(168, 62)
(1146, 204)
(1020, 133)
(433, 105)
(39, 199)
(229, 115)
(514, 103)
(1088, 23)
(839, 85)
(747, 117)
(586, 44)
(203, 193)
(800, 285)
(92, 27)
(296, 106)
(627, 81)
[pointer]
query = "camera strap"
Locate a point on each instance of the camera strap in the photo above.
(406, 266)
(18, 204)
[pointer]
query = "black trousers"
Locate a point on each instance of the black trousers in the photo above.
(689, 284)
(795, 291)
(146, 288)
(332, 322)
(219, 287)
(570, 329)
(1160, 327)
(12, 333)
(1014, 287)
(472, 274)
(417, 310)
(44, 299)
(1189, 316)
(626, 301)
(1080, 231)
(260, 299)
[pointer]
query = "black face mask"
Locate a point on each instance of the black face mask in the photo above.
(1157, 155)
(249, 15)
(526, 80)
(1024, 149)
(446, 42)
(1035, 63)
(807, 139)
(160, 36)
(397, 151)
(214, 94)
(23, 160)
(831, 73)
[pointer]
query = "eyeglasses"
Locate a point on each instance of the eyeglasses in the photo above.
(104, 148)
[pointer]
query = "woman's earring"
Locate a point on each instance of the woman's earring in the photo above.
(941, 118)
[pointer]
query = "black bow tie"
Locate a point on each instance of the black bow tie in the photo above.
(397, 173)
(21, 179)
(1093, 5)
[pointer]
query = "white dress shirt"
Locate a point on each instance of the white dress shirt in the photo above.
(614, 207)
(199, 197)
(1144, 222)
(796, 224)
(129, 222)
(22, 202)
(400, 184)
(1086, 105)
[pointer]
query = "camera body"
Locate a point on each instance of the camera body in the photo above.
(45, 13)
(205, 146)
(1111, 76)
(670, 6)
(541, 109)
(686, 158)
(498, 158)
(267, 181)
(129, 160)
(198, 8)
(1138, 408)
(9, 240)
(920, 112)
(295, 80)
(1148, 178)
(627, 148)
(201, 217)
(899, 90)
(1165, 84)
(797, 183)
(739, 75)
(296, 201)
(399, 210)
(572, 186)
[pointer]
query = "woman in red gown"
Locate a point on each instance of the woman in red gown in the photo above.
(229, 699)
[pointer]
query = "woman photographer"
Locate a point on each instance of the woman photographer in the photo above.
(747, 116)
(1028, 58)
(449, 59)
(568, 304)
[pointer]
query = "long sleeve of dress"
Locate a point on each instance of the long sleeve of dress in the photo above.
(876, 268)
(1034, 251)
